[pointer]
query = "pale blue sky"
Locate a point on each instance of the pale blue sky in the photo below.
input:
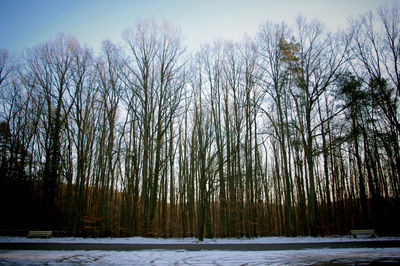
(26, 23)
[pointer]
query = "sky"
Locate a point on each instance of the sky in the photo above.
(27, 23)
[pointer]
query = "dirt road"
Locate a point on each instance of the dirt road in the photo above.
(199, 246)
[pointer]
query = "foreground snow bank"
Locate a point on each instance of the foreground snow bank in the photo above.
(143, 240)
(162, 257)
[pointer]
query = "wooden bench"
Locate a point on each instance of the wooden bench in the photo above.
(364, 232)
(44, 234)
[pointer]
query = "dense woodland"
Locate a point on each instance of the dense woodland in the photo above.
(293, 132)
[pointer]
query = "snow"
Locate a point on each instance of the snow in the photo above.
(209, 257)
(163, 257)
(143, 240)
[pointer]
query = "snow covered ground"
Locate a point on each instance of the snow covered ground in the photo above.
(213, 257)
(182, 257)
(143, 240)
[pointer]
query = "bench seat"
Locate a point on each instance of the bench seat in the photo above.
(37, 234)
(365, 232)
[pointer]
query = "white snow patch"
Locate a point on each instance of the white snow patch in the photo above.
(162, 257)
(143, 240)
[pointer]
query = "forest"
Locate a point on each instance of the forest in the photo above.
(294, 131)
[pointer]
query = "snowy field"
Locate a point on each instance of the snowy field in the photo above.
(182, 257)
(340, 256)
(144, 240)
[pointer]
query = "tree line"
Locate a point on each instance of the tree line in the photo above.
(292, 132)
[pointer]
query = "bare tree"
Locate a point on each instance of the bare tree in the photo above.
(317, 61)
(50, 67)
(6, 67)
(277, 82)
(158, 79)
